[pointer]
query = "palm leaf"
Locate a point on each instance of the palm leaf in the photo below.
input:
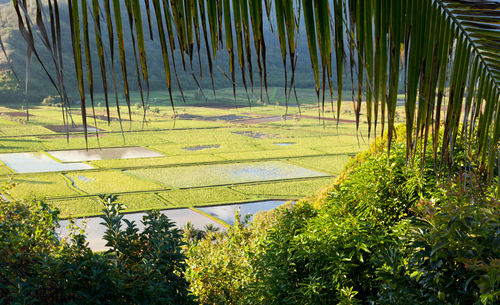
(203, 16)
(281, 32)
(136, 11)
(148, 13)
(77, 51)
(88, 60)
(229, 41)
(246, 33)
(164, 50)
(100, 51)
(436, 46)
(121, 50)
(130, 13)
(239, 42)
(171, 39)
(260, 45)
(111, 40)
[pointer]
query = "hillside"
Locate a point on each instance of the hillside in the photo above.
(39, 86)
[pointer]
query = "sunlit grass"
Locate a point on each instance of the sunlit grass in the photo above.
(220, 174)
(11, 144)
(283, 153)
(139, 202)
(105, 140)
(110, 182)
(4, 170)
(292, 189)
(162, 161)
(136, 180)
(28, 129)
(202, 196)
(6, 122)
(327, 164)
(78, 207)
(47, 185)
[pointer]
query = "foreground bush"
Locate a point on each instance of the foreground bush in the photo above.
(385, 233)
(327, 255)
(218, 271)
(35, 267)
(450, 256)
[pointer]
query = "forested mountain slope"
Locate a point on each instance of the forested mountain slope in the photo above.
(12, 91)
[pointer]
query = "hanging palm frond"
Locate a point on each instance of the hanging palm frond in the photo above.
(443, 54)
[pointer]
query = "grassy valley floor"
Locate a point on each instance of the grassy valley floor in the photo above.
(257, 153)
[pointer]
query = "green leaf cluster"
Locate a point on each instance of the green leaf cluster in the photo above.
(140, 268)
(386, 232)
(219, 267)
(325, 255)
(450, 255)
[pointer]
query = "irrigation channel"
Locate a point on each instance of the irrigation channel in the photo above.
(220, 216)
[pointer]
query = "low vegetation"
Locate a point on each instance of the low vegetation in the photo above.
(384, 233)
(138, 268)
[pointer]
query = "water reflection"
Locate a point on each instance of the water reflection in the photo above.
(284, 144)
(201, 147)
(103, 154)
(226, 212)
(94, 230)
(37, 162)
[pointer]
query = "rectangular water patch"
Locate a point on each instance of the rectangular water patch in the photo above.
(37, 162)
(226, 212)
(263, 120)
(103, 154)
(70, 128)
(94, 230)
(201, 147)
(257, 135)
(220, 174)
(227, 118)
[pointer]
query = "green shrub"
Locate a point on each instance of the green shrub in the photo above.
(451, 255)
(50, 100)
(325, 255)
(387, 232)
(363, 244)
(35, 267)
(219, 267)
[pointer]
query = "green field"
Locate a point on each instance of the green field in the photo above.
(203, 148)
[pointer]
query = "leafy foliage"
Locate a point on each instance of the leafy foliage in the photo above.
(36, 267)
(451, 255)
(385, 232)
(50, 101)
(219, 266)
(40, 86)
(330, 251)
